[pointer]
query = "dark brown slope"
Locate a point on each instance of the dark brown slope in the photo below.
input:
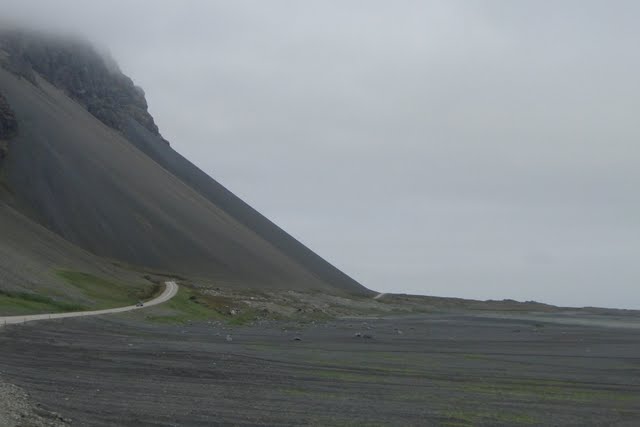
(217, 194)
(30, 256)
(114, 187)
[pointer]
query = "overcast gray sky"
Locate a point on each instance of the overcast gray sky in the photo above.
(479, 149)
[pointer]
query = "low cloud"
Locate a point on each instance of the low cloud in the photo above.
(472, 149)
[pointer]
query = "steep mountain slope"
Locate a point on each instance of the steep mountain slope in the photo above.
(31, 255)
(88, 163)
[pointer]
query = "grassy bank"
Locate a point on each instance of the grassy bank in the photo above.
(187, 305)
(97, 293)
(17, 303)
(107, 293)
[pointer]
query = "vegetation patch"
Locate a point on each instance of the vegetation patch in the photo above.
(460, 417)
(108, 293)
(188, 305)
(17, 303)
(315, 394)
(330, 421)
(245, 316)
(350, 376)
(549, 391)
(193, 305)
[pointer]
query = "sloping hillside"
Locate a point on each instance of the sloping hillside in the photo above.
(88, 163)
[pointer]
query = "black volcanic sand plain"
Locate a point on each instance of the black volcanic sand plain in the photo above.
(452, 368)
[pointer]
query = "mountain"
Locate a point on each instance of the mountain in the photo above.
(81, 157)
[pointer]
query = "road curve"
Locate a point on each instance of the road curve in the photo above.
(170, 291)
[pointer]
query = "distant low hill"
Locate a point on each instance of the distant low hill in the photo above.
(80, 156)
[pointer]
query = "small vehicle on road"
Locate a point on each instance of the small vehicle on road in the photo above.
(140, 304)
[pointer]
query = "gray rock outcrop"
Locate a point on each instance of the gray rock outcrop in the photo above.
(90, 78)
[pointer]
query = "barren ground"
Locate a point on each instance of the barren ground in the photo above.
(452, 368)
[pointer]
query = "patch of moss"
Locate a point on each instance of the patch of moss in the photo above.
(16, 303)
(186, 306)
(107, 293)
(341, 422)
(245, 317)
(548, 390)
(342, 375)
(459, 417)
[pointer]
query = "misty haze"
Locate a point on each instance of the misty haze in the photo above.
(319, 213)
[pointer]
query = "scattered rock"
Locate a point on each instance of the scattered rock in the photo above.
(16, 409)
(229, 338)
(358, 335)
(367, 337)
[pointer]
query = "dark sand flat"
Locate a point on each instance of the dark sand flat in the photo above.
(437, 369)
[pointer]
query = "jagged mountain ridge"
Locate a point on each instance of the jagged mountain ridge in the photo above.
(92, 79)
(101, 176)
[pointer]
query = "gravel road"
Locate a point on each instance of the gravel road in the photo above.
(169, 292)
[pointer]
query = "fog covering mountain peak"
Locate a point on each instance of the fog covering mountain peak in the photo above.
(91, 78)
(88, 163)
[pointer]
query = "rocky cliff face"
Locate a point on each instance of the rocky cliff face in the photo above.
(8, 123)
(74, 66)
(8, 126)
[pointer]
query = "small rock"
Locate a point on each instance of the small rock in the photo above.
(297, 339)
(367, 336)
(229, 339)
(358, 335)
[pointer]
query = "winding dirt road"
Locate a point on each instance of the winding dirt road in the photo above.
(170, 291)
